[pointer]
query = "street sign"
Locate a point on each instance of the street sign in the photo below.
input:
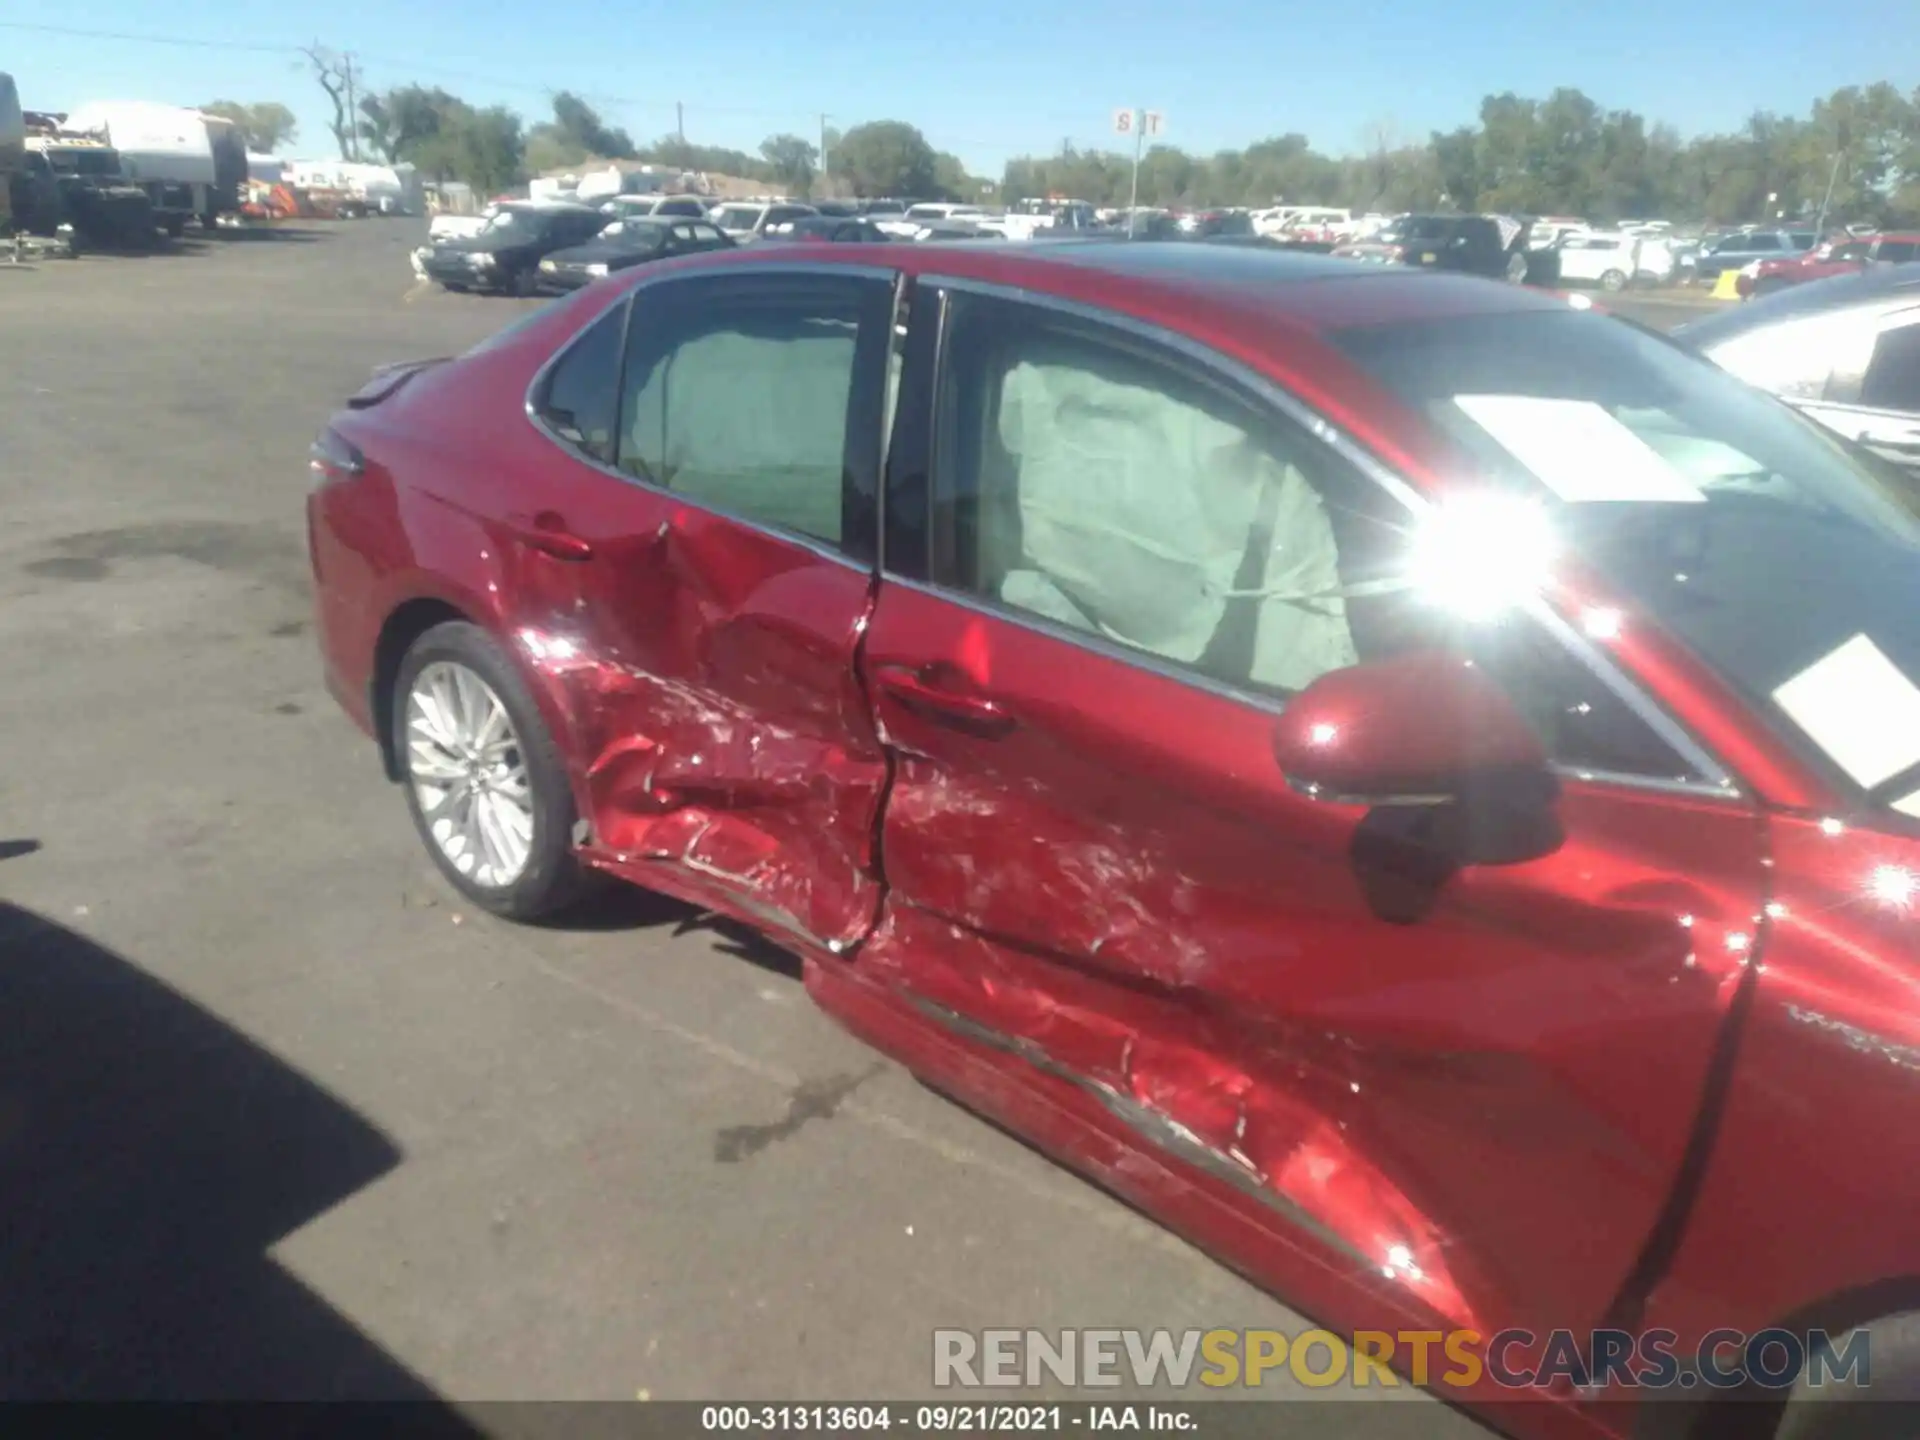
(1151, 123)
(1123, 121)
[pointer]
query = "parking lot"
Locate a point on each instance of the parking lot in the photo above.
(277, 1116)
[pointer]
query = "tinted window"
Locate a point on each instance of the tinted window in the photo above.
(1893, 377)
(1102, 489)
(1744, 529)
(680, 207)
(1098, 486)
(580, 402)
(739, 395)
(788, 212)
(1896, 252)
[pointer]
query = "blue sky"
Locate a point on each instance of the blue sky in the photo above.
(988, 79)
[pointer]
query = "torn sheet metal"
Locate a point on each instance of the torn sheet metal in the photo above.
(717, 723)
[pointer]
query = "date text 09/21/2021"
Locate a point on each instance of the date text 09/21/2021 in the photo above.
(985, 1418)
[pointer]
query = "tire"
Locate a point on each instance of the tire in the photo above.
(1768, 285)
(1613, 280)
(1843, 1410)
(450, 677)
(523, 284)
(1517, 267)
(176, 226)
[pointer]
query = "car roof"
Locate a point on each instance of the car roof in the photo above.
(1893, 283)
(1177, 282)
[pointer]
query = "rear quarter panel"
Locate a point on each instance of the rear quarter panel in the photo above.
(446, 453)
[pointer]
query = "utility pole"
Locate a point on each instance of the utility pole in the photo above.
(1133, 190)
(1833, 175)
(826, 166)
(353, 114)
(680, 120)
(1139, 124)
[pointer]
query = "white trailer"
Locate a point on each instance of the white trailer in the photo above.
(13, 147)
(163, 149)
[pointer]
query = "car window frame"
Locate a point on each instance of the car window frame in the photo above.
(909, 556)
(1904, 322)
(861, 474)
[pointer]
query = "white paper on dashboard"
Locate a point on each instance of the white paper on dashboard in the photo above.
(1857, 706)
(1910, 805)
(1578, 450)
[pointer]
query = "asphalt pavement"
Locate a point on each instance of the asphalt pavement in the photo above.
(278, 1116)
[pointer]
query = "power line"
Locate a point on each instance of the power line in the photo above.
(410, 67)
(187, 42)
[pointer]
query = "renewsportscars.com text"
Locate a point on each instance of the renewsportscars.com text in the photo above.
(1450, 1359)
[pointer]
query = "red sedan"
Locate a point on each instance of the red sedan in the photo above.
(1411, 782)
(1842, 257)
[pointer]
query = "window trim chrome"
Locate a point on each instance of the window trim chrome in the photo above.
(1711, 777)
(530, 404)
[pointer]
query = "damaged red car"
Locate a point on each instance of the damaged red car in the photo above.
(1414, 784)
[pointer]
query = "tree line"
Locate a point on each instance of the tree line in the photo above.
(1564, 155)
(1855, 155)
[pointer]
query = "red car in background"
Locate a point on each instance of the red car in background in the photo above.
(1836, 257)
(1411, 782)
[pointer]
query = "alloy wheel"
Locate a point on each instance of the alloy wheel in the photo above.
(469, 775)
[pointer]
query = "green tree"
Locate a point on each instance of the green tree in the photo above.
(265, 126)
(886, 157)
(952, 182)
(791, 160)
(398, 123)
(579, 122)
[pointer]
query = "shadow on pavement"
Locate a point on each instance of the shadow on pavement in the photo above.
(617, 906)
(149, 1156)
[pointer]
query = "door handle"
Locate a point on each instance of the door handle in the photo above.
(548, 533)
(974, 714)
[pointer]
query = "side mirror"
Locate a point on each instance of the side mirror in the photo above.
(1418, 730)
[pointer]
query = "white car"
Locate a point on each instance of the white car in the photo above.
(920, 217)
(448, 227)
(748, 220)
(1606, 258)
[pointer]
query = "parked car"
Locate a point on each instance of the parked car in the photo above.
(504, 256)
(1120, 774)
(948, 230)
(1204, 223)
(1315, 228)
(624, 244)
(749, 220)
(1846, 351)
(639, 207)
(1834, 257)
(1730, 252)
(1491, 245)
(1605, 258)
(832, 228)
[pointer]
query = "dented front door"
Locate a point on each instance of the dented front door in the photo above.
(1471, 1088)
(725, 751)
